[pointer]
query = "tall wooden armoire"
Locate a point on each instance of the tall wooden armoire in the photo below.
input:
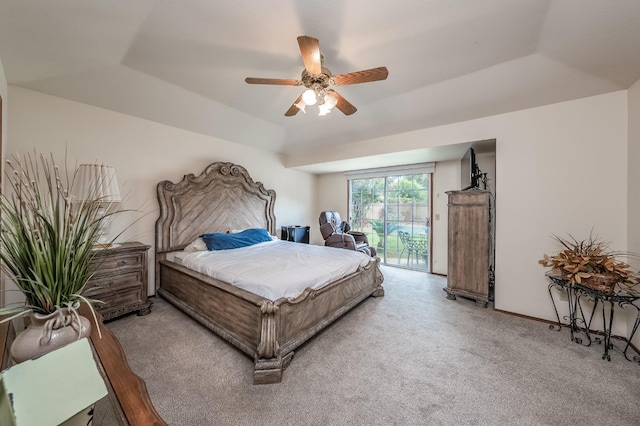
(469, 245)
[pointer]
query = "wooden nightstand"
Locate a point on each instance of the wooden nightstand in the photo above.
(120, 280)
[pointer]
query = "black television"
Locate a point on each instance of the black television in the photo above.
(469, 170)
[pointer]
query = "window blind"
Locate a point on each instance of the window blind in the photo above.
(409, 169)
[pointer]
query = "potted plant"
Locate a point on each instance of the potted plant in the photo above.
(590, 262)
(46, 249)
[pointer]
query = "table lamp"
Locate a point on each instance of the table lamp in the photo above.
(98, 183)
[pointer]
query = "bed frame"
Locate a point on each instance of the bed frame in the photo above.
(221, 198)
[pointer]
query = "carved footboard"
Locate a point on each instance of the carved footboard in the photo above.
(288, 324)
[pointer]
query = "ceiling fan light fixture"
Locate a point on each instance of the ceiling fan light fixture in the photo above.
(317, 81)
(301, 105)
(330, 101)
(324, 109)
(309, 97)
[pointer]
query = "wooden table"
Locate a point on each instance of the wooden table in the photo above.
(127, 392)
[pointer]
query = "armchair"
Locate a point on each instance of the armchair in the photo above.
(337, 233)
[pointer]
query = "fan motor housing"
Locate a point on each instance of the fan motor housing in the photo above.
(322, 80)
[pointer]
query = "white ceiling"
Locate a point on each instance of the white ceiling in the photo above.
(183, 63)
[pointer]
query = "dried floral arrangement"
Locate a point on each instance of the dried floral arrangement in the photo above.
(591, 261)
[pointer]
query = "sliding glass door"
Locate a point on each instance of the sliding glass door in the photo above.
(394, 212)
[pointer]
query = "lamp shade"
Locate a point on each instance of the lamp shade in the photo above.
(96, 182)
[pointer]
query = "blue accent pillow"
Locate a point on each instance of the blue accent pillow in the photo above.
(248, 237)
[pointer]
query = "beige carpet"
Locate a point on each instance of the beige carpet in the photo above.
(410, 358)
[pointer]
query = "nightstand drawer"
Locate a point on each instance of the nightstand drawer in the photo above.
(127, 301)
(109, 264)
(113, 282)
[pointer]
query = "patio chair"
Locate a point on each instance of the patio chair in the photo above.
(415, 245)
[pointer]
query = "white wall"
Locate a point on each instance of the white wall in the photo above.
(633, 193)
(633, 163)
(145, 153)
(486, 162)
(560, 169)
(3, 141)
(445, 178)
(3, 95)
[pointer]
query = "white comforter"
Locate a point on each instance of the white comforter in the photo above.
(277, 269)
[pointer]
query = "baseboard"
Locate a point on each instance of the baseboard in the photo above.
(595, 332)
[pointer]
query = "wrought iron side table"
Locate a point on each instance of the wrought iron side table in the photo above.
(578, 324)
(572, 301)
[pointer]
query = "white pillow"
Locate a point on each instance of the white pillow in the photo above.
(197, 245)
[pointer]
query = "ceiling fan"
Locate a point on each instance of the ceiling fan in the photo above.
(318, 81)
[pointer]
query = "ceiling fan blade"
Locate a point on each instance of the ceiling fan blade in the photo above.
(293, 110)
(279, 81)
(364, 76)
(310, 50)
(343, 105)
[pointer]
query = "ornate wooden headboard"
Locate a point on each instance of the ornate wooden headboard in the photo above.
(221, 198)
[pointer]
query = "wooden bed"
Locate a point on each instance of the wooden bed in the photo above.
(224, 197)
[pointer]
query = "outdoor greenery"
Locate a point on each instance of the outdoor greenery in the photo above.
(404, 189)
(364, 194)
(368, 195)
(48, 238)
